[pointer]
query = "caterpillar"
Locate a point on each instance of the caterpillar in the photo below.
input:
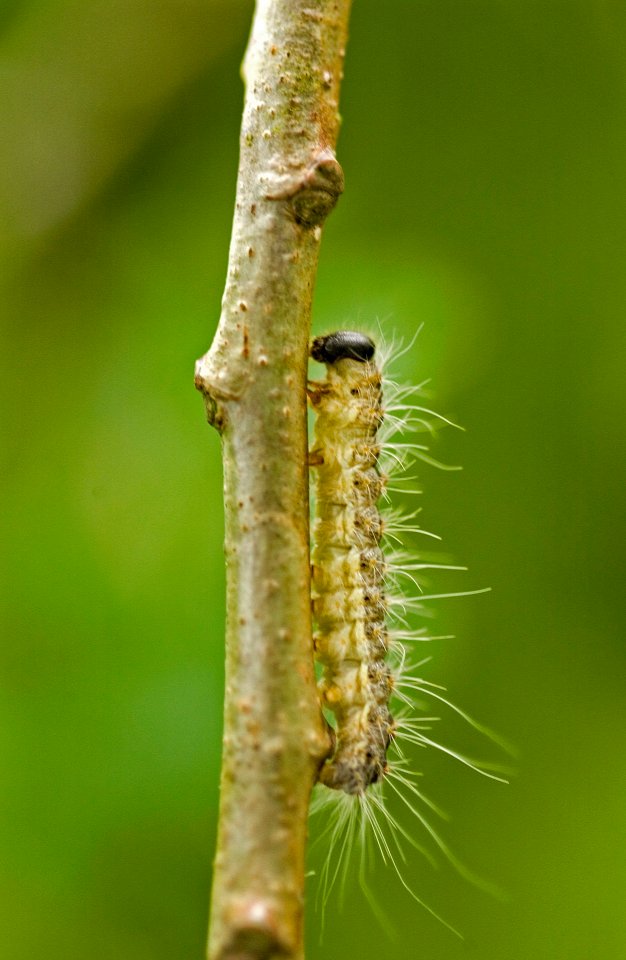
(348, 566)
(359, 609)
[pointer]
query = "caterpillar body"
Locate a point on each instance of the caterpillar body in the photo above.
(360, 610)
(348, 566)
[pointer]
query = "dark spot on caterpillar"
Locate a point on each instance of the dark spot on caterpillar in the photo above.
(343, 345)
(369, 481)
(369, 525)
(377, 639)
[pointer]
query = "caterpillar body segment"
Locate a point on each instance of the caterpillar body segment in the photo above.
(348, 565)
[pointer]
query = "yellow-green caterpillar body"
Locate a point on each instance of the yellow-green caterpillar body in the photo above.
(363, 610)
(348, 566)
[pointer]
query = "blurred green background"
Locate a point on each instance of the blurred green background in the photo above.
(484, 145)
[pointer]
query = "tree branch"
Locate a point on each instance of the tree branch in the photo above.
(254, 382)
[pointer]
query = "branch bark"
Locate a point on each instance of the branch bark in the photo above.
(254, 382)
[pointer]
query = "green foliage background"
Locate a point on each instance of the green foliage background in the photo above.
(484, 146)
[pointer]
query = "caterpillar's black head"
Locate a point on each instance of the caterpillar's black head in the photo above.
(342, 345)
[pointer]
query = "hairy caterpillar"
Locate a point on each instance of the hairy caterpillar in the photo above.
(358, 605)
(349, 600)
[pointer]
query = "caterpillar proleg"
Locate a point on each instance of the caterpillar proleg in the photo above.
(359, 606)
